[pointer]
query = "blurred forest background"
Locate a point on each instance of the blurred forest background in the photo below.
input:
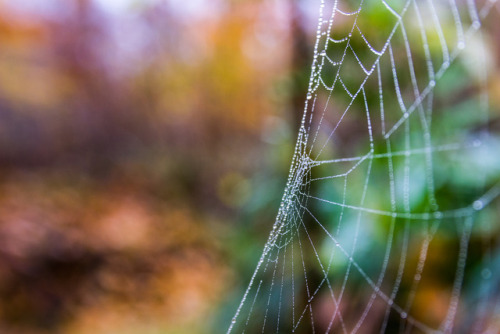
(144, 149)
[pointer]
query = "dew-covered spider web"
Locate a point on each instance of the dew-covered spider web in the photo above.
(389, 222)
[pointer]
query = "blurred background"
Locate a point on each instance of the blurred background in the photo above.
(144, 149)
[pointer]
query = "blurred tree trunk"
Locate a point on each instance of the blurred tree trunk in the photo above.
(302, 49)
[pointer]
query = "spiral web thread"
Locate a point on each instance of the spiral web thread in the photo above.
(383, 79)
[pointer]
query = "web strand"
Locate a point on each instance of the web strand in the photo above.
(368, 202)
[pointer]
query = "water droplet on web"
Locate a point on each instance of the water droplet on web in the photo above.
(432, 83)
(404, 315)
(477, 205)
(309, 96)
(461, 45)
(322, 53)
(406, 115)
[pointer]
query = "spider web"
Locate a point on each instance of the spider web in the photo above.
(393, 184)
